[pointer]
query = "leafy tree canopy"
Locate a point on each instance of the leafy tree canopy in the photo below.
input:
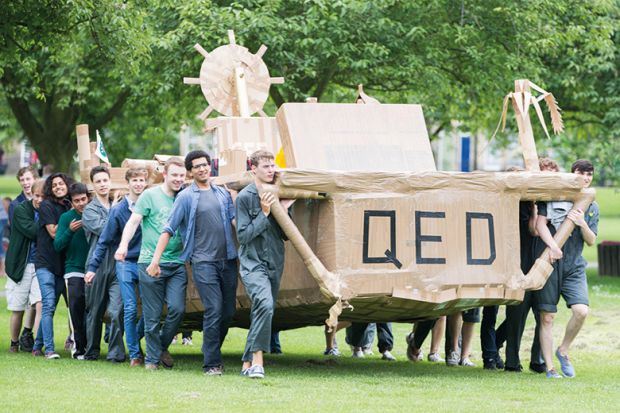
(118, 66)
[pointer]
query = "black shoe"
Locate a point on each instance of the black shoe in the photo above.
(499, 363)
(538, 367)
(517, 369)
(489, 364)
(26, 341)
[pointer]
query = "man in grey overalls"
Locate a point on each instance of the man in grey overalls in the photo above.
(261, 259)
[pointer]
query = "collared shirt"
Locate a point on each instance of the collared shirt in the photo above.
(111, 236)
(183, 218)
(261, 240)
(130, 203)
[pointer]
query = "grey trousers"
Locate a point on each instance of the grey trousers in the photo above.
(262, 288)
(168, 288)
(104, 293)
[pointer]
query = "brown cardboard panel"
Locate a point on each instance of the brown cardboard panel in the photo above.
(232, 161)
(248, 134)
(423, 241)
(352, 137)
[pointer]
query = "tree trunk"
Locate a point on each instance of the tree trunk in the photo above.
(57, 150)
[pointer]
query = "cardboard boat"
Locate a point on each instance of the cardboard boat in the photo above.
(377, 234)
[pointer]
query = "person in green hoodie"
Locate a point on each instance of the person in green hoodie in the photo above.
(22, 286)
(71, 240)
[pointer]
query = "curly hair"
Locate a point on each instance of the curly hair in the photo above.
(47, 187)
(196, 155)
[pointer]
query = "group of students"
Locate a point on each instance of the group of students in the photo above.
(101, 253)
(538, 223)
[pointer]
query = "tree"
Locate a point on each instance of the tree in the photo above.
(69, 62)
(125, 65)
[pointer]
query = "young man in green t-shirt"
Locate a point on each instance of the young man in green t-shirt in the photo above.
(152, 210)
(71, 240)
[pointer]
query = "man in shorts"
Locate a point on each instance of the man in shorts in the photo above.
(22, 287)
(568, 278)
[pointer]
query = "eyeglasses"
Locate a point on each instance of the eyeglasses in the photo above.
(201, 166)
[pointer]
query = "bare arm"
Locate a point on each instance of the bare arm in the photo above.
(555, 253)
(130, 229)
(162, 243)
(577, 216)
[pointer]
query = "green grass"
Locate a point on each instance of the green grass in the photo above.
(9, 186)
(609, 223)
(302, 380)
(608, 200)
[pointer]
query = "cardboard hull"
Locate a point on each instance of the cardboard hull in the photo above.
(421, 245)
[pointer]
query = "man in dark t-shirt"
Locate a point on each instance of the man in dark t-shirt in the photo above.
(204, 213)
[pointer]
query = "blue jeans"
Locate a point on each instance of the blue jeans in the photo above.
(216, 282)
(168, 288)
(127, 275)
(52, 288)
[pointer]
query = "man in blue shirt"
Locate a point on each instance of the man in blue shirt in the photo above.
(204, 215)
(126, 271)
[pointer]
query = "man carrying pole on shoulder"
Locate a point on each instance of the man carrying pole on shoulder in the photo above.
(261, 258)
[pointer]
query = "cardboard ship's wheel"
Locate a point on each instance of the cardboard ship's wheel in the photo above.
(218, 79)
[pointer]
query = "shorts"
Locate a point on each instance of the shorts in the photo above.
(570, 283)
(21, 295)
(472, 316)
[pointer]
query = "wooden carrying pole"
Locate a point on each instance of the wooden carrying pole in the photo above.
(329, 283)
(542, 268)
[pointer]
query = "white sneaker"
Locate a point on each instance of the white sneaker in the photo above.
(358, 354)
(467, 362)
(434, 358)
(187, 341)
(387, 356)
(453, 359)
(367, 350)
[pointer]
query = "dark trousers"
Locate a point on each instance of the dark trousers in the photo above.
(104, 294)
(360, 335)
(276, 347)
(487, 333)
(77, 312)
(424, 327)
(511, 332)
(168, 288)
(216, 282)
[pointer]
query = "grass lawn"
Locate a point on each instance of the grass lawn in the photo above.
(303, 380)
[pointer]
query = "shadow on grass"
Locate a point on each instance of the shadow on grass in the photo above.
(308, 366)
